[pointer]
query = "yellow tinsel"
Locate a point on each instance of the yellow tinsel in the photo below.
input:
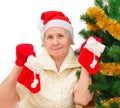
(115, 99)
(110, 69)
(93, 27)
(103, 22)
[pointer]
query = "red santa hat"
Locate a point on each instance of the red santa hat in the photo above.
(55, 19)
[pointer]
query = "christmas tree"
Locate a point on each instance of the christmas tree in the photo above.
(103, 21)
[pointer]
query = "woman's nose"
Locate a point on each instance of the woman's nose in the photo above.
(55, 41)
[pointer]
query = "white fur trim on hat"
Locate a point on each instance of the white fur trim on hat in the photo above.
(55, 23)
(58, 23)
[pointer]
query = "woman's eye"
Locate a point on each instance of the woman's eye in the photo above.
(60, 36)
(50, 37)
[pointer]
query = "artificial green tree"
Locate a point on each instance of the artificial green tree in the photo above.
(103, 21)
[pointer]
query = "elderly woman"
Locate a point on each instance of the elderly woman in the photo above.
(55, 84)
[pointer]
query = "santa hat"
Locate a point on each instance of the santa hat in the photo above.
(55, 19)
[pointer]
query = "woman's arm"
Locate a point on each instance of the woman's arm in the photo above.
(82, 95)
(8, 95)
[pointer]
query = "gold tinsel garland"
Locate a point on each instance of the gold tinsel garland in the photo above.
(103, 22)
(93, 27)
(110, 69)
(115, 99)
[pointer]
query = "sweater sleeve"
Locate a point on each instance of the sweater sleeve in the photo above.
(21, 91)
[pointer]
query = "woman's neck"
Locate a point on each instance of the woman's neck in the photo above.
(58, 63)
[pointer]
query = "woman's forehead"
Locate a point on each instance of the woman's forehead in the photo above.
(56, 30)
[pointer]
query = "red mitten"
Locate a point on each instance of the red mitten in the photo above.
(30, 75)
(22, 52)
(90, 54)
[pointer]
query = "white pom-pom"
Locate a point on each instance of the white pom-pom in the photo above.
(94, 62)
(35, 81)
(92, 65)
(33, 85)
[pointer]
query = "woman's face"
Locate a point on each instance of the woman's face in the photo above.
(57, 42)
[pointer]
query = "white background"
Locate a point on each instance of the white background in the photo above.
(18, 24)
